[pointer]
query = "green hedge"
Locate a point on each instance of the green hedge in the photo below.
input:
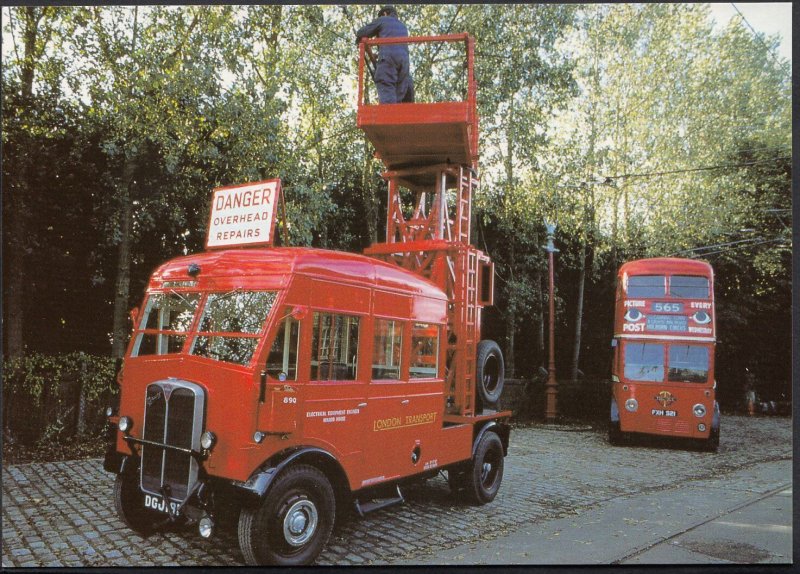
(52, 400)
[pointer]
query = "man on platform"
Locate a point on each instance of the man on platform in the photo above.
(392, 74)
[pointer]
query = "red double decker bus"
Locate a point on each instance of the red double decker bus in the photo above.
(663, 364)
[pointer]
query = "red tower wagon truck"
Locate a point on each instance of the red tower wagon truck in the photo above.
(293, 382)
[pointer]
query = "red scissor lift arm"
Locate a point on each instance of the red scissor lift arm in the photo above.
(431, 149)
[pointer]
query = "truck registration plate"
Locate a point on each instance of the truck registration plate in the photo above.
(154, 502)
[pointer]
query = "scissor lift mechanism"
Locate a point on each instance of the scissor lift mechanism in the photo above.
(431, 149)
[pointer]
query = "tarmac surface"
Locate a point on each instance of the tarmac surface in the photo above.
(567, 497)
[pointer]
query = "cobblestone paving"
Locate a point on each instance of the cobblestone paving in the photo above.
(61, 514)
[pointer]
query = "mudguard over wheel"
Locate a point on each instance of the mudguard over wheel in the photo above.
(480, 480)
(292, 524)
(129, 503)
(489, 372)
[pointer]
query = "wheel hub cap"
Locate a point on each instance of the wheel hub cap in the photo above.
(300, 522)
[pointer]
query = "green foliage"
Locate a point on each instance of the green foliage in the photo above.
(26, 378)
(638, 128)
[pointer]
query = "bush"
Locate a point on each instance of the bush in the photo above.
(54, 405)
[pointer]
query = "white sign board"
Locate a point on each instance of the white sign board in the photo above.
(243, 214)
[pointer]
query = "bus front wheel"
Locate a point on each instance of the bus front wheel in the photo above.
(711, 444)
(615, 435)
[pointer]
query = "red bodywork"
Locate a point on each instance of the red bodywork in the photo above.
(368, 441)
(677, 328)
(407, 404)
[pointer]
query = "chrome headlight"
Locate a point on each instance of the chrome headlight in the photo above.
(699, 410)
(109, 411)
(631, 405)
(258, 436)
(125, 424)
(208, 439)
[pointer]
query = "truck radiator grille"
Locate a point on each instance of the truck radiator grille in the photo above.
(173, 416)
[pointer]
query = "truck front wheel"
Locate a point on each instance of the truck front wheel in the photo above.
(292, 524)
(129, 502)
(480, 481)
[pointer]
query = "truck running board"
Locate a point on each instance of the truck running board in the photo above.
(377, 503)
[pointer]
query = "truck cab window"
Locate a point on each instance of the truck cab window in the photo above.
(424, 351)
(230, 325)
(386, 350)
(334, 350)
(167, 317)
(283, 353)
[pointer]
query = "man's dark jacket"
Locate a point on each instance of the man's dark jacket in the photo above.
(392, 75)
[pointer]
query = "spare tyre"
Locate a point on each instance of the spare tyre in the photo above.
(489, 372)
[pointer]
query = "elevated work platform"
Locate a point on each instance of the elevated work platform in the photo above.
(431, 149)
(419, 134)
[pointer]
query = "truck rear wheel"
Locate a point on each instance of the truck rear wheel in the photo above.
(292, 524)
(129, 503)
(480, 481)
(489, 372)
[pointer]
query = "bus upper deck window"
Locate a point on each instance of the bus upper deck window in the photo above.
(689, 287)
(647, 286)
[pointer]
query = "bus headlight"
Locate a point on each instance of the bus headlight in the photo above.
(631, 405)
(208, 439)
(125, 424)
(699, 410)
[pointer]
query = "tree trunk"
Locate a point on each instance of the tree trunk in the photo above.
(576, 349)
(123, 282)
(19, 189)
(508, 356)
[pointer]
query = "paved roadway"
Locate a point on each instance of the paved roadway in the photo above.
(567, 498)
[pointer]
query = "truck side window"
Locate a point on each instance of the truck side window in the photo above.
(386, 351)
(283, 353)
(424, 351)
(334, 350)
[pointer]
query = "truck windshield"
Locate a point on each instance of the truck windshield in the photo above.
(230, 325)
(167, 318)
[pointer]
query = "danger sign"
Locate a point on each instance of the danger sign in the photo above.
(243, 214)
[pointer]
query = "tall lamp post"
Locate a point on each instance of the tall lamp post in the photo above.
(551, 387)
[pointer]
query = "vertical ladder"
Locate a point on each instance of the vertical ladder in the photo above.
(467, 183)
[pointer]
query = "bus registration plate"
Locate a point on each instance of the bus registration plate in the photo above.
(663, 413)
